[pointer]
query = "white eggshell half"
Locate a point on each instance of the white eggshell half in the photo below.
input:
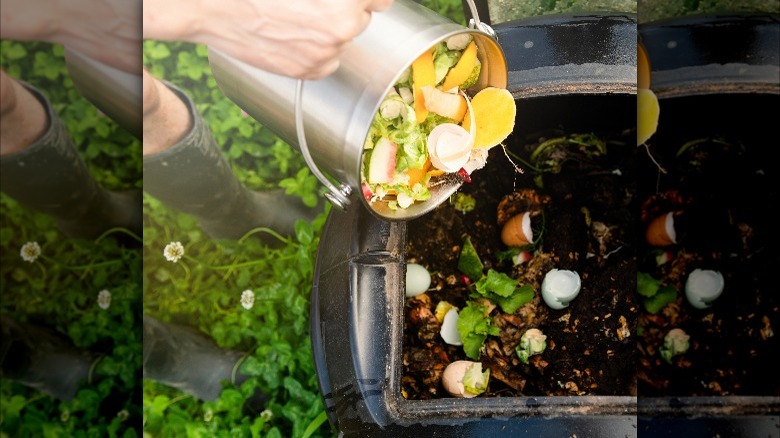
(418, 279)
(449, 328)
(559, 287)
(702, 287)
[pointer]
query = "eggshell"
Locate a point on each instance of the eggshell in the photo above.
(661, 231)
(452, 379)
(559, 287)
(449, 328)
(418, 279)
(702, 287)
(517, 231)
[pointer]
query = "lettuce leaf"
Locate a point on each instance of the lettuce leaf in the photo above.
(474, 327)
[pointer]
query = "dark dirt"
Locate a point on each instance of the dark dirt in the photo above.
(723, 190)
(585, 213)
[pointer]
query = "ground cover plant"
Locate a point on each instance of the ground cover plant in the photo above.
(204, 287)
(87, 293)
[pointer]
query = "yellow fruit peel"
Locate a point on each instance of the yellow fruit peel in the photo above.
(648, 111)
(494, 112)
(642, 68)
(462, 69)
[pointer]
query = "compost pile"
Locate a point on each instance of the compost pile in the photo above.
(580, 193)
(720, 191)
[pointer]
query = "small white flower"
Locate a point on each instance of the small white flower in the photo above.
(123, 415)
(266, 415)
(30, 251)
(247, 299)
(104, 299)
(173, 251)
(208, 415)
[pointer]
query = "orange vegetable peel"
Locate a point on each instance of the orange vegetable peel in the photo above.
(462, 69)
(422, 74)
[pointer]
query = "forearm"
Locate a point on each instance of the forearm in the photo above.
(105, 30)
(173, 20)
(25, 20)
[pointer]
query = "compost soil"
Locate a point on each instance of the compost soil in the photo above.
(582, 197)
(721, 186)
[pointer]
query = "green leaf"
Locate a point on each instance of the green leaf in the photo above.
(315, 424)
(469, 262)
(303, 232)
(245, 129)
(15, 51)
(159, 405)
(508, 254)
(496, 282)
(518, 299)
(474, 327)
(472, 344)
(14, 406)
(52, 430)
(274, 433)
(646, 285)
(156, 51)
(664, 296)
(101, 276)
(243, 279)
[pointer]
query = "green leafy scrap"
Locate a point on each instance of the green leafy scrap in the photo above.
(655, 296)
(664, 296)
(497, 283)
(646, 284)
(469, 262)
(507, 255)
(463, 202)
(520, 297)
(504, 291)
(474, 327)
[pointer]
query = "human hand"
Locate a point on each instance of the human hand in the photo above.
(108, 31)
(296, 38)
(22, 116)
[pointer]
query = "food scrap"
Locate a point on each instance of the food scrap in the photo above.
(432, 123)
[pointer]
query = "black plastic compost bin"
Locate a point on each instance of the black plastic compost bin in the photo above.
(577, 72)
(718, 77)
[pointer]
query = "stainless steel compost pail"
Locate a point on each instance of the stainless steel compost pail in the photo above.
(329, 119)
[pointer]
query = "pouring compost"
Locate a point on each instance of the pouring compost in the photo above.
(333, 121)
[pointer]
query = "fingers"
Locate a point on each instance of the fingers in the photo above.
(322, 71)
(299, 39)
(379, 5)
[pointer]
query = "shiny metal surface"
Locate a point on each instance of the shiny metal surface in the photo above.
(118, 94)
(338, 110)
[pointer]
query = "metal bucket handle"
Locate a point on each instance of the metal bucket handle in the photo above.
(339, 196)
